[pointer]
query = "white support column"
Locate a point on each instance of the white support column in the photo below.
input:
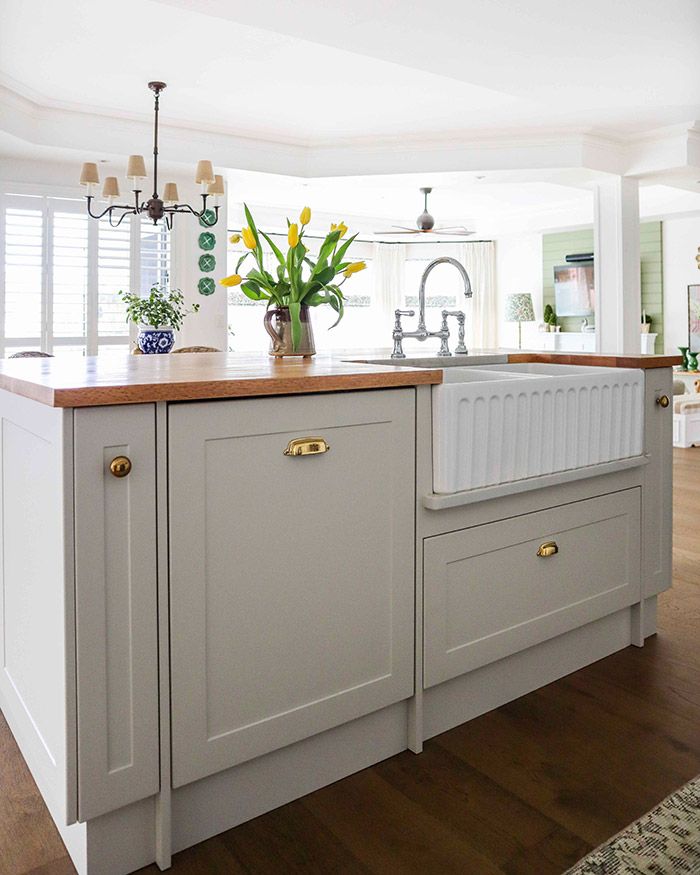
(617, 265)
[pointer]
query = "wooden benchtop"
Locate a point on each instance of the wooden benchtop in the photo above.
(129, 379)
(598, 360)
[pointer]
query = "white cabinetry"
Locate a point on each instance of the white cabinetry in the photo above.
(116, 608)
(292, 578)
(496, 589)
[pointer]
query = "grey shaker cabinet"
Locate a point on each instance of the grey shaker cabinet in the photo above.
(291, 577)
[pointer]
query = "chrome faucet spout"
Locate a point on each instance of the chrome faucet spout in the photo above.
(445, 259)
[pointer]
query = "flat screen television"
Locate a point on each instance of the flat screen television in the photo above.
(574, 294)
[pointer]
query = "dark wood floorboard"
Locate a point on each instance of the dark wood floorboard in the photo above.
(525, 790)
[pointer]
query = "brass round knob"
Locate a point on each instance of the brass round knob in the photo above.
(663, 401)
(120, 466)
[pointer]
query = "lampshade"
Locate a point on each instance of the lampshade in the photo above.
(519, 308)
(205, 172)
(89, 174)
(170, 195)
(136, 168)
(111, 187)
(216, 187)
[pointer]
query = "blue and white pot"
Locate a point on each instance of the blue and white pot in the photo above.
(155, 340)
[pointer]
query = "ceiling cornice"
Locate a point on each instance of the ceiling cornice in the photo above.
(86, 130)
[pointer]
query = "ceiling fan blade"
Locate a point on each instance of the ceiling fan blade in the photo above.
(407, 231)
(461, 228)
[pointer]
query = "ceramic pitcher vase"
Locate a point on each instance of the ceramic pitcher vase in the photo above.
(278, 324)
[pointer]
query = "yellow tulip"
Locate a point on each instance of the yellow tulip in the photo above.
(355, 267)
(249, 238)
(234, 280)
(235, 238)
(293, 235)
(305, 216)
(339, 227)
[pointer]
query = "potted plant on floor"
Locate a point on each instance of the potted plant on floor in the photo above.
(299, 283)
(158, 317)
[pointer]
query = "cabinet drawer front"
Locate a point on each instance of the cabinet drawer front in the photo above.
(292, 576)
(489, 594)
(116, 601)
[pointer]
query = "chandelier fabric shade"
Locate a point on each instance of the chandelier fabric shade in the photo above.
(205, 172)
(88, 175)
(136, 168)
(111, 187)
(170, 193)
(216, 187)
(155, 208)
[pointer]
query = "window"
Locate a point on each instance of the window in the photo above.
(245, 317)
(63, 272)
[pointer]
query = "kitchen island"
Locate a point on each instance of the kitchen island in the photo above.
(229, 580)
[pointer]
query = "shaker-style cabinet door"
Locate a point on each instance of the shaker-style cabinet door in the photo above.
(291, 569)
(116, 619)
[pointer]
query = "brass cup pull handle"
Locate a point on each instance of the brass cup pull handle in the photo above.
(663, 401)
(308, 446)
(120, 466)
(549, 548)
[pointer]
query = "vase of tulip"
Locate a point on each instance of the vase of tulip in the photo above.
(291, 294)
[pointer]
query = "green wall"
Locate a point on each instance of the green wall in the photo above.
(555, 248)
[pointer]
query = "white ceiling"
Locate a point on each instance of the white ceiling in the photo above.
(373, 90)
(310, 71)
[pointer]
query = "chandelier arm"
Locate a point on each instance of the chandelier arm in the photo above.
(123, 216)
(186, 208)
(109, 209)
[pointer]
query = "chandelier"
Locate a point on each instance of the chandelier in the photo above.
(156, 207)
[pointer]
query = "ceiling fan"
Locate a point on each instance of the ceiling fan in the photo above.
(425, 224)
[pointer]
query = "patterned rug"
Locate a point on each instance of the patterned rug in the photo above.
(665, 841)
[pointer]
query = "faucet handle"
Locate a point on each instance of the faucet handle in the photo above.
(397, 316)
(461, 348)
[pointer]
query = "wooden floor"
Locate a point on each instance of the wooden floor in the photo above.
(524, 790)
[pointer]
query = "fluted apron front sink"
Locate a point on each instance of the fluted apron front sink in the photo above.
(501, 423)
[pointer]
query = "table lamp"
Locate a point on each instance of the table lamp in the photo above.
(519, 309)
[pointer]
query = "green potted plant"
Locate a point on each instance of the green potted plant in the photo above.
(646, 322)
(158, 317)
(299, 281)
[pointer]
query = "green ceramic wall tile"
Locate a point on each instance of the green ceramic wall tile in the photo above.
(207, 263)
(207, 240)
(206, 286)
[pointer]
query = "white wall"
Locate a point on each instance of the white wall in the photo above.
(518, 269)
(681, 239)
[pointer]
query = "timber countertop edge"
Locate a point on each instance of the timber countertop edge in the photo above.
(597, 359)
(95, 381)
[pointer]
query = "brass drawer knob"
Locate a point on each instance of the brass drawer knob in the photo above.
(120, 466)
(549, 548)
(663, 401)
(308, 446)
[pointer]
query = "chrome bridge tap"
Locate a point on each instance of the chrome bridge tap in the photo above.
(421, 332)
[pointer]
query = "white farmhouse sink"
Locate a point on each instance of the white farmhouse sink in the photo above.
(501, 423)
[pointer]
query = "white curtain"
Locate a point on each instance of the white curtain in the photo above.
(387, 263)
(479, 260)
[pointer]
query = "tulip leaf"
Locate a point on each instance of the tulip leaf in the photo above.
(325, 276)
(328, 245)
(338, 257)
(251, 290)
(274, 248)
(294, 312)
